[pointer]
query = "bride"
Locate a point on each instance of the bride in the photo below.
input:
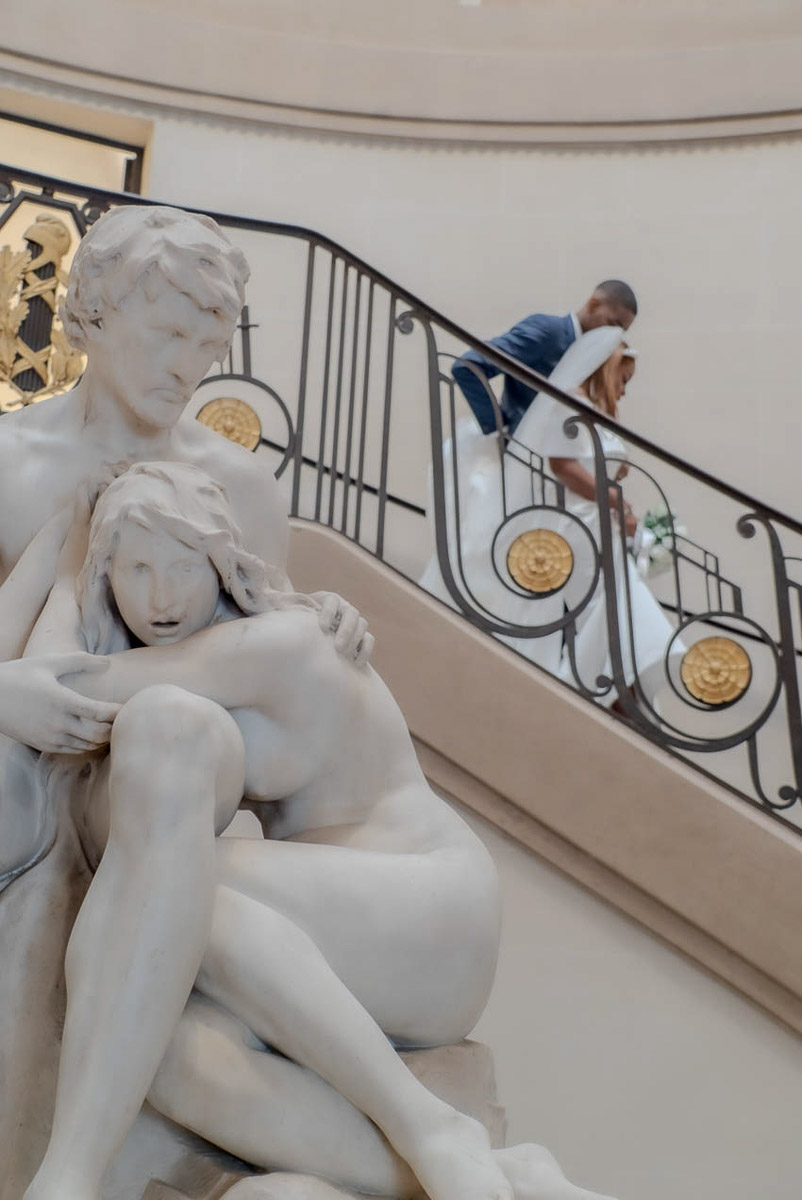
(547, 479)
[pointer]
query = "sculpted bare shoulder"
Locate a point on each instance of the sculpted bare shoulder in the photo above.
(256, 497)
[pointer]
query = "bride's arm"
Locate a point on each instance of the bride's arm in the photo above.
(579, 480)
(259, 662)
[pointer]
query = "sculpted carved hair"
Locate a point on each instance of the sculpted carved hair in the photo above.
(129, 244)
(184, 502)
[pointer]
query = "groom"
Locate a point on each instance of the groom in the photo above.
(538, 342)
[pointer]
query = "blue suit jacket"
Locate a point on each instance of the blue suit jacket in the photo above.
(538, 342)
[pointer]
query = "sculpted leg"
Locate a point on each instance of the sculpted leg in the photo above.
(271, 975)
(176, 773)
(219, 1080)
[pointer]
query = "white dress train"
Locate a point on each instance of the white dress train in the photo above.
(643, 652)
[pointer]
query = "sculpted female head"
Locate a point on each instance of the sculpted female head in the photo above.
(165, 559)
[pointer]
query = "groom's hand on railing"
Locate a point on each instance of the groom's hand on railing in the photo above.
(38, 711)
(350, 630)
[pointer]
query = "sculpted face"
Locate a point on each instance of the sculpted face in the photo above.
(165, 590)
(154, 350)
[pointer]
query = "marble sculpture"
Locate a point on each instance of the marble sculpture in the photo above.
(157, 670)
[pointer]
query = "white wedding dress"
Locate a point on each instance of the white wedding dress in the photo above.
(477, 550)
(643, 650)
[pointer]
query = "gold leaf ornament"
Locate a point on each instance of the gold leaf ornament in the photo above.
(13, 265)
(56, 364)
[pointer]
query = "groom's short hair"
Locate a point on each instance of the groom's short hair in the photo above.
(131, 243)
(620, 293)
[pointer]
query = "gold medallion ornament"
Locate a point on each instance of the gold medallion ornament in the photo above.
(540, 560)
(716, 670)
(234, 419)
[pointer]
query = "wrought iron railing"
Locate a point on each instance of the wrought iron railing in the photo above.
(352, 403)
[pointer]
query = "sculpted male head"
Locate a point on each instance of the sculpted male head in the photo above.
(131, 245)
(153, 300)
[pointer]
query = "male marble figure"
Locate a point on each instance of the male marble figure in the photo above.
(150, 335)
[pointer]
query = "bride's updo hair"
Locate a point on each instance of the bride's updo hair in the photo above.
(184, 502)
(603, 386)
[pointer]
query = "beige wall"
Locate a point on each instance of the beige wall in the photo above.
(708, 234)
(709, 237)
(646, 1078)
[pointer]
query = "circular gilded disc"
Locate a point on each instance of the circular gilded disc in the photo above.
(540, 560)
(716, 670)
(235, 419)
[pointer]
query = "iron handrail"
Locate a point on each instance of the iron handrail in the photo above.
(504, 362)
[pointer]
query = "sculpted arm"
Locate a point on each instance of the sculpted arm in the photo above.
(35, 708)
(58, 629)
(25, 591)
(262, 516)
(259, 662)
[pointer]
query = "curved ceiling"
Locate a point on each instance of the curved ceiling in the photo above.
(589, 63)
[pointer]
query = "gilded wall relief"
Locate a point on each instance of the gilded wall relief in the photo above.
(36, 360)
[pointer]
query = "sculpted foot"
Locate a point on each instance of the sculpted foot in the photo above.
(452, 1160)
(534, 1174)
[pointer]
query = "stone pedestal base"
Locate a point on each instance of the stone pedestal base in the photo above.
(161, 1162)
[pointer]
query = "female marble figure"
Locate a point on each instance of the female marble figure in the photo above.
(371, 913)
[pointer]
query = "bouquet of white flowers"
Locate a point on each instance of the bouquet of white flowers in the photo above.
(653, 542)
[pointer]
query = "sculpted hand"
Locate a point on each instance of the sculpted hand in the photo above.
(37, 710)
(350, 630)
